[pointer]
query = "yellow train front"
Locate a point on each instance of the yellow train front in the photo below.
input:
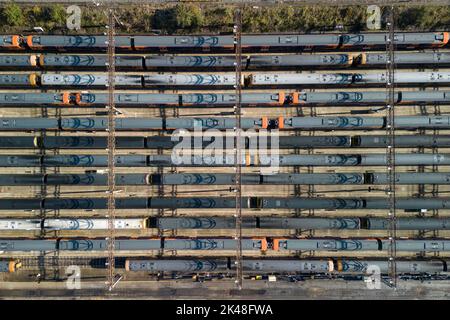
(10, 265)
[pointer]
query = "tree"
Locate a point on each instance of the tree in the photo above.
(188, 16)
(164, 19)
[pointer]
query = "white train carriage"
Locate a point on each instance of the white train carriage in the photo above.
(70, 224)
(20, 224)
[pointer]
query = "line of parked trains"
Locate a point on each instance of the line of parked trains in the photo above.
(260, 99)
(139, 179)
(219, 160)
(248, 244)
(279, 266)
(200, 62)
(361, 203)
(223, 123)
(222, 80)
(249, 42)
(166, 223)
(249, 142)
(300, 266)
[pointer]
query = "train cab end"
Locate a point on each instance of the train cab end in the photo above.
(330, 265)
(33, 60)
(33, 79)
(66, 98)
(281, 98)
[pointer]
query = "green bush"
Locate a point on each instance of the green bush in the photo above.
(57, 14)
(188, 16)
(181, 16)
(164, 19)
(13, 15)
(185, 18)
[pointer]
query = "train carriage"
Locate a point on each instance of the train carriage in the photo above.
(10, 42)
(89, 80)
(206, 43)
(48, 60)
(406, 40)
(87, 42)
(18, 61)
(182, 61)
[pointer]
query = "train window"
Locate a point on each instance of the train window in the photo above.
(128, 97)
(399, 37)
(13, 97)
(435, 245)
(328, 245)
(287, 40)
(6, 245)
(437, 120)
(182, 40)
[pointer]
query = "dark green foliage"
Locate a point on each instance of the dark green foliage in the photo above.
(188, 16)
(184, 18)
(164, 19)
(424, 17)
(12, 15)
(57, 14)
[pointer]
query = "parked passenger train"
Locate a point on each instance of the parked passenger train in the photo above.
(223, 123)
(283, 160)
(206, 43)
(336, 203)
(222, 80)
(218, 244)
(166, 142)
(94, 179)
(209, 223)
(282, 266)
(249, 99)
(49, 61)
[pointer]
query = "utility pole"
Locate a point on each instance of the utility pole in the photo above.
(111, 149)
(390, 150)
(238, 154)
